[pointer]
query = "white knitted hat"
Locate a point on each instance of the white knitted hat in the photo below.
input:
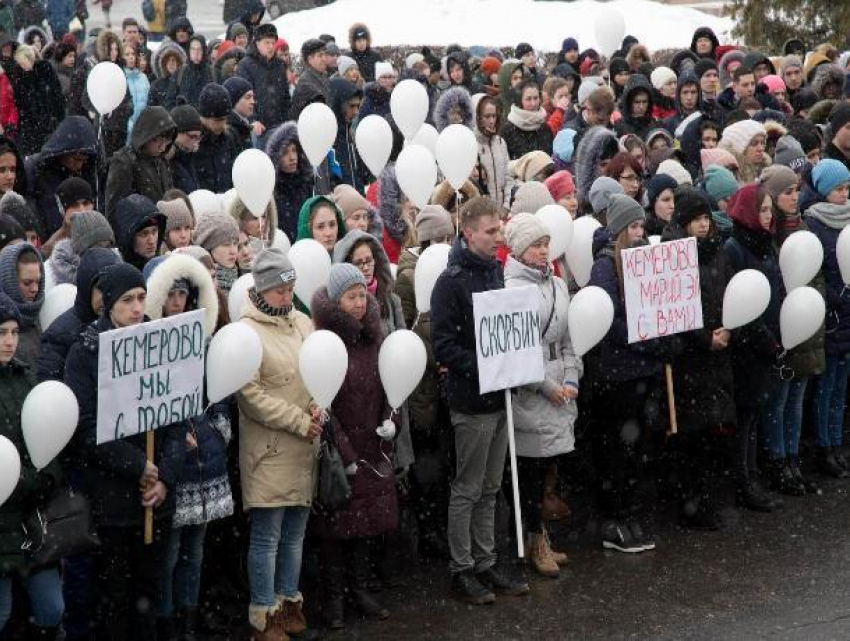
(737, 136)
(674, 169)
(660, 76)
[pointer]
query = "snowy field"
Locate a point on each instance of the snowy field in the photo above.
(497, 22)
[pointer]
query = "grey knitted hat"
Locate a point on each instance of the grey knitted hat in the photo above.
(342, 277)
(214, 230)
(622, 212)
(601, 191)
(90, 228)
(177, 214)
(271, 268)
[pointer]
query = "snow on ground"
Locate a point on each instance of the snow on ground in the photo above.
(496, 22)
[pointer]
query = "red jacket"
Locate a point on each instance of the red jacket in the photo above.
(8, 109)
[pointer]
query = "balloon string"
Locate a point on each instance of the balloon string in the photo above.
(457, 212)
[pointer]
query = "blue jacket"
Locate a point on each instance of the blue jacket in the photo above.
(111, 471)
(618, 360)
(139, 87)
(837, 335)
(183, 171)
(453, 327)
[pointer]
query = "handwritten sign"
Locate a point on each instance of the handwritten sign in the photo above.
(662, 289)
(150, 375)
(507, 338)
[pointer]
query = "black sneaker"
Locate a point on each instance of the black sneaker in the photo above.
(500, 584)
(640, 534)
(467, 588)
(618, 536)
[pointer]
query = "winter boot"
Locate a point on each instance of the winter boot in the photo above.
(554, 507)
(290, 614)
(783, 480)
(810, 485)
(559, 557)
(362, 599)
(752, 497)
(541, 557)
(263, 624)
(828, 465)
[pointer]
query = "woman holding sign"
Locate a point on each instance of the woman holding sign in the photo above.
(545, 412)
(119, 479)
(364, 437)
(626, 378)
(278, 443)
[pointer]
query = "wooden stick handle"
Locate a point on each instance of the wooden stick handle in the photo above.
(149, 510)
(671, 399)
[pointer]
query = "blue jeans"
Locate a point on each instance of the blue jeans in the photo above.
(181, 576)
(274, 553)
(45, 590)
(829, 397)
(783, 417)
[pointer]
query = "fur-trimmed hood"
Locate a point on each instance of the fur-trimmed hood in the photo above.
(327, 315)
(159, 57)
(27, 35)
(454, 98)
(389, 203)
(104, 40)
(358, 26)
(279, 139)
(235, 208)
(828, 74)
(587, 157)
(177, 267)
(64, 262)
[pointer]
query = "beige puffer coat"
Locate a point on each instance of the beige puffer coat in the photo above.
(278, 463)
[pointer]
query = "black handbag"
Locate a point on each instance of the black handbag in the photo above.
(59, 528)
(334, 489)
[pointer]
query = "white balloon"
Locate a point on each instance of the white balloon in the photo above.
(254, 177)
(204, 202)
(589, 318)
(416, 172)
(409, 106)
(579, 252)
(430, 265)
(49, 277)
(281, 241)
(58, 300)
(48, 420)
(234, 356)
(317, 131)
(238, 294)
(560, 225)
(106, 86)
(374, 139)
(800, 259)
(323, 364)
(10, 468)
(842, 254)
(802, 314)
(457, 153)
(312, 265)
(427, 137)
(746, 297)
(609, 29)
(401, 363)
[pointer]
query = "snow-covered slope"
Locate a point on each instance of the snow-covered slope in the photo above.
(496, 22)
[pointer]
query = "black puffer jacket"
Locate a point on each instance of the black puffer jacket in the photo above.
(215, 158)
(131, 171)
(271, 86)
(40, 102)
(111, 471)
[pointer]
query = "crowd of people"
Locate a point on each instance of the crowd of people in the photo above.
(729, 146)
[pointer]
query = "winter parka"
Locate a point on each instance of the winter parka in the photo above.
(271, 86)
(291, 190)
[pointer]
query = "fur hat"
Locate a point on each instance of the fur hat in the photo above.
(522, 231)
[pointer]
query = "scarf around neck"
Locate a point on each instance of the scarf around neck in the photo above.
(834, 216)
(261, 304)
(527, 120)
(225, 277)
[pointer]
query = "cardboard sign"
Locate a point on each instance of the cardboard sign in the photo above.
(662, 289)
(150, 375)
(507, 338)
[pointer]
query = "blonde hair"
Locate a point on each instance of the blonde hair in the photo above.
(26, 52)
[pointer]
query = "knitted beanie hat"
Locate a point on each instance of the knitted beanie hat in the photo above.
(342, 277)
(790, 62)
(271, 268)
(789, 152)
(703, 66)
(344, 63)
(433, 222)
(622, 212)
(10, 229)
(349, 200)
(656, 186)
(601, 191)
(719, 182)
(674, 169)
(718, 156)
(777, 178)
(522, 231)
(660, 76)
(88, 229)
(214, 230)
(737, 136)
(384, 69)
(73, 190)
(829, 174)
(214, 102)
(560, 184)
(186, 118)
(531, 197)
(8, 310)
(115, 281)
(177, 214)
(489, 66)
(236, 87)
(564, 145)
(773, 83)
(690, 203)
(839, 116)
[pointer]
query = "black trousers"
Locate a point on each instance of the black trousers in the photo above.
(126, 576)
(746, 444)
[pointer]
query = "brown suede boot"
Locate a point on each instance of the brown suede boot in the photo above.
(541, 557)
(291, 615)
(264, 624)
(559, 557)
(554, 507)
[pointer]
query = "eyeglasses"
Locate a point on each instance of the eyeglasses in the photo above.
(362, 264)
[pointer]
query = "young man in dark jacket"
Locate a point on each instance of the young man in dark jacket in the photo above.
(184, 175)
(141, 167)
(219, 143)
(481, 437)
(313, 85)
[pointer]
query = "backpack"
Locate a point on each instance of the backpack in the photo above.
(148, 10)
